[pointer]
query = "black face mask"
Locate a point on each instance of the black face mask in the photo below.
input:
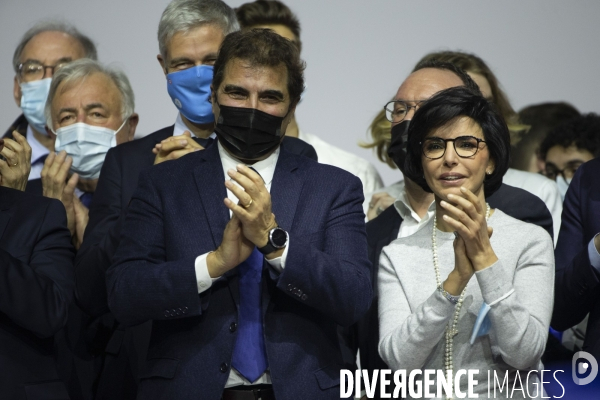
(247, 133)
(397, 149)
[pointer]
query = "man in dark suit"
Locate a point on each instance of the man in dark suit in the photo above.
(577, 289)
(423, 83)
(36, 286)
(123, 350)
(249, 303)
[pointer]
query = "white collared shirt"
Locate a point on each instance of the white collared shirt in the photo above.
(411, 222)
(266, 169)
(181, 127)
(38, 154)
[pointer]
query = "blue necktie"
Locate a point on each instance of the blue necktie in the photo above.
(86, 198)
(249, 354)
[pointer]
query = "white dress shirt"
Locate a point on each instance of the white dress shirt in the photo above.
(331, 155)
(38, 154)
(543, 188)
(181, 127)
(266, 169)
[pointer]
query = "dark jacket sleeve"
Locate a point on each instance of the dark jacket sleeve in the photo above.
(36, 286)
(331, 268)
(140, 283)
(577, 284)
(101, 239)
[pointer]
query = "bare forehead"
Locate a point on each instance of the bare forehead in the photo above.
(96, 87)
(54, 41)
(424, 83)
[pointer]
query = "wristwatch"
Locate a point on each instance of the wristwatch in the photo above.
(278, 239)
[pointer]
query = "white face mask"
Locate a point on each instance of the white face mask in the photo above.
(563, 185)
(87, 145)
(33, 100)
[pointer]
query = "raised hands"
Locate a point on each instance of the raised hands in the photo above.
(15, 167)
(55, 185)
(175, 147)
(378, 203)
(254, 206)
(472, 248)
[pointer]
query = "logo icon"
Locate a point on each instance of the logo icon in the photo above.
(583, 367)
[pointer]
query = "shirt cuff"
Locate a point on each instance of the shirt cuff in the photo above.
(494, 284)
(203, 279)
(278, 263)
(594, 255)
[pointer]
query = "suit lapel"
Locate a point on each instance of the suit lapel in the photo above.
(5, 212)
(209, 181)
(286, 189)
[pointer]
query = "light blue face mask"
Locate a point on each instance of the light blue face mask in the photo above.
(33, 100)
(87, 145)
(190, 91)
(563, 186)
(483, 323)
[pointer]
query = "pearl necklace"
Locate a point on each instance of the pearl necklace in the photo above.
(451, 328)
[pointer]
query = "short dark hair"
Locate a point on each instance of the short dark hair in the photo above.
(443, 65)
(541, 118)
(583, 132)
(443, 109)
(268, 12)
(262, 47)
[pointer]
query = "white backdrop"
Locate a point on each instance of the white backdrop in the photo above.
(357, 53)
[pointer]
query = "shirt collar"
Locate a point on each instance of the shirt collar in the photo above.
(266, 167)
(402, 205)
(181, 127)
(37, 149)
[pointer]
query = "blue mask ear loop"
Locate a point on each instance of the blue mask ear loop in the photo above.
(483, 324)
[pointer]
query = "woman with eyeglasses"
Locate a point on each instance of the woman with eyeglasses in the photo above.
(473, 289)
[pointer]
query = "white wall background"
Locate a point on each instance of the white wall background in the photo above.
(357, 53)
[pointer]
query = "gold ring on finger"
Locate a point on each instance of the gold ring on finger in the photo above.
(249, 204)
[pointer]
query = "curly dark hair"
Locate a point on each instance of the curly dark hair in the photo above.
(583, 132)
(444, 108)
(262, 47)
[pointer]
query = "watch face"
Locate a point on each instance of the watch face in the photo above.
(278, 237)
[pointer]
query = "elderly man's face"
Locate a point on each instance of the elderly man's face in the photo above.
(94, 100)
(259, 87)
(423, 84)
(199, 46)
(50, 49)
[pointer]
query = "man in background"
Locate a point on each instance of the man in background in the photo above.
(277, 16)
(42, 51)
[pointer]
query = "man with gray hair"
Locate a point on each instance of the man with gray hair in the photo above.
(43, 50)
(90, 109)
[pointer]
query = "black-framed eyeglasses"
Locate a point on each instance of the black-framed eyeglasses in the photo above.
(465, 146)
(31, 71)
(396, 110)
(551, 171)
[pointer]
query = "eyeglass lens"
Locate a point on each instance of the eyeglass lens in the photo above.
(34, 71)
(465, 146)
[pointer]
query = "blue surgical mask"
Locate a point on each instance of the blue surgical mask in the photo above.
(87, 145)
(33, 100)
(482, 323)
(563, 185)
(190, 91)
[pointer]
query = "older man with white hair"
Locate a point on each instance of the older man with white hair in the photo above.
(90, 109)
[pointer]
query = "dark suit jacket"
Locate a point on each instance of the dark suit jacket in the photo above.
(19, 125)
(36, 286)
(577, 289)
(177, 214)
(125, 349)
(382, 230)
